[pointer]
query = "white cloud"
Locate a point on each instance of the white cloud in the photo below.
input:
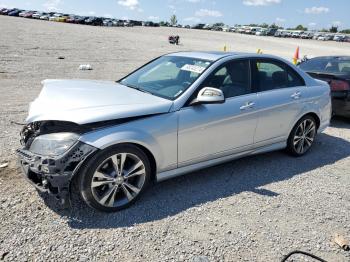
(155, 18)
(260, 2)
(312, 24)
(207, 12)
(92, 13)
(52, 5)
(193, 1)
(316, 10)
(130, 4)
(337, 23)
(279, 19)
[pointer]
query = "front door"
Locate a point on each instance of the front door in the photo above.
(208, 131)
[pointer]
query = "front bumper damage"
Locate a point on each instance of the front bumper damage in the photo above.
(54, 174)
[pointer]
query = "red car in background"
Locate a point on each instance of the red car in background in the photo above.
(336, 71)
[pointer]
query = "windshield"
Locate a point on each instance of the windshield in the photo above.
(327, 65)
(167, 76)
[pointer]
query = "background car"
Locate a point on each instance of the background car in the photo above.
(339, 38)
(296, 34)
(335, 70)
(62, 18)
(44, 17)
(37, 15)
(7, 11)
(28, 14)
(14, 13)
(198, 26)
(128, 23)
(80, 19)
(325, 37)
(307, 35)
(261, 32)
(117, 22)
(96, 21)
(107, 22)
(271, 31)
(54, 17)
(278, 33)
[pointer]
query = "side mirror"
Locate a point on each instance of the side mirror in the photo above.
(209, 95)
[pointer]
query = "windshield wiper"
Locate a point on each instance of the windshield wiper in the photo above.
(137, 88)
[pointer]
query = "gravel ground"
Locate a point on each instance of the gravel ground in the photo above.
(254, 209)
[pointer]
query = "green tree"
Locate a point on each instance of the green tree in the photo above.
(264, 25)
(345, 31)
(301, 28)
(163, 23)
(333, 29)
(173, 20)
(274, 26)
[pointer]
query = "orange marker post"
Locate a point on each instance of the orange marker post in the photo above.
(296, 56)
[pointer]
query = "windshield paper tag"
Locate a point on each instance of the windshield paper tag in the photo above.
(193, 68)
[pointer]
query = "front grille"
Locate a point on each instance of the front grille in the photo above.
(25, 154)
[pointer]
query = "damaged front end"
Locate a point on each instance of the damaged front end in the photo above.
(50, 166)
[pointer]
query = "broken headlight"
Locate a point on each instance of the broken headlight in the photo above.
(53, 144)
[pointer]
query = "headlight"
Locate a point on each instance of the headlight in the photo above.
(53, 144)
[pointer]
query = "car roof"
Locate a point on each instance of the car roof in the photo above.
(216, 55)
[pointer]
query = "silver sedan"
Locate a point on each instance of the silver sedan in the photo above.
(178, 113)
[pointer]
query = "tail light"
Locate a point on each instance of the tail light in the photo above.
(339, 85)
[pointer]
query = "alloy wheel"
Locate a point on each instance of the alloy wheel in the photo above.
(118, 180)
(304, 136)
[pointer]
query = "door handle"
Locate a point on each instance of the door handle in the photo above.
(296, 95)
(247, 105)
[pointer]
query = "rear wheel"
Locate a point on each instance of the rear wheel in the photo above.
(114, 178)
(302, 136)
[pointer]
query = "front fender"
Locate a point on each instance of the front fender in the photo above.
(158, 134)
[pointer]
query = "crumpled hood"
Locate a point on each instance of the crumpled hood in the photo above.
(89, 101)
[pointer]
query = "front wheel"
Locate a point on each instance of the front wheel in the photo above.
(114, 178)
(302, 136)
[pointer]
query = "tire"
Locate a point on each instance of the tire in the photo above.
(104, 187)
(302, 136)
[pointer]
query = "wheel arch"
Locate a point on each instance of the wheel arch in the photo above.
(150, 157)
(309, 113)
(315, 116)
(143, 148)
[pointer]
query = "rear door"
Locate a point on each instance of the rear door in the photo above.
(280, 93)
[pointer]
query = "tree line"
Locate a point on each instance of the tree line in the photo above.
(333, 29)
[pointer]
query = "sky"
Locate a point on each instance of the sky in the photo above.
(314, 14)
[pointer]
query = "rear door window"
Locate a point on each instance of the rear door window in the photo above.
(270, 74)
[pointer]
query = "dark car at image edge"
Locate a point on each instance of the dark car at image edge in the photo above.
(335, 70)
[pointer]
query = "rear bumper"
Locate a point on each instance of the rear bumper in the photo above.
(341, 107)
(53, 174)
